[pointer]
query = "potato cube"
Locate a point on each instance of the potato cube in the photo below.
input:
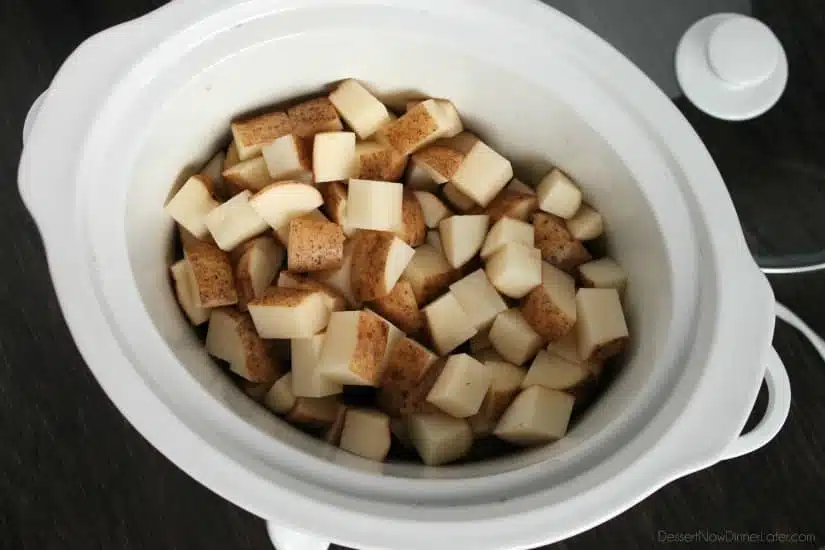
(211, 276)
(603, 273)
(378, 260)
(537, 415)
(550, 308)
(555, 373)
(558, 247)
(335, 205)
(288, 157)
(558, 195)
(363, 111)
(457, 199)
(313, 117)
(479, 299)
(439, 438)
(515, 269)
(278, 203)
(418, 178)
(252, 134)
(439, 161)
(378, 161)
(256, 268)
(410, 374)
(513, 338)
(448, 323)
(412, 230)
(366, 434)
(232, 337)
(191, 204)
(234, 222)
(482, 174)
(186, 294)
(451, 121)
(401, 307)
(354, 348)
(512, 204)
(333, 156)
(432, 208)
(375, 205)
(340, 279)
(312, 411)
(394, 336)
(314, 245)
(601, 327)
(307, 380)
(282, 233)
(461, 386)
(429, 273)
(507, 230)
(289, 313)
(462, 237)
(419, 126)
(566, 347)
(280, 398)
(518, 186)
(332, 298)
(251, 175)
(504, 385)
(586, 224)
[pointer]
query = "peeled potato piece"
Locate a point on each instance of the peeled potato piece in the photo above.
(378, 260)
(332, 298)
(362, 111)
(558, 195)
(537, 415)
(232, 337)
(186, 294)
(439, 438)
(553, 372)
(191, 204)
(505, 383)
(288, 157)
(354, 348)
(432, 208)
(514, 338)
(462, 237)
(280, 202)
(333, 156)
(507, 230)
(479, 299)
(340, 279)
(289, 313)
(603, 273)
(251, 174)
(256, 268)
(515, 269)
(366, 433)
(482, 173)
(429, 273)
(376, 205)
(550, 308)
(234, 222)
(461, 386)
(448, 323)
(307, 380)
(586, 224)
(601, 327)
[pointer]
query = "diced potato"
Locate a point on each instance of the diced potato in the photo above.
(313, 117)
(232, 337)
(363, 112)
(354, 348)
(252, 134)
(448, 323)
(378, 260)
(366, 433)
(251, 174)
(283, 232)
(555, 373)
(280, 202)
(457, 199)
(211, 274)
(307, 380)
(191, 204)
(186, 294)
(256, 268)
(461, 386)
(280, 398)
(213, 170)
(289, 313)
(375, 205)
(482, 173)
(332, 435)
(401, 307)
(335, 205)
(601, 327)
(462, 237)
(512, 204)
(394, 335)
(514, 338)
(234, 221)
(288, 157)
(410, 374)
(340, 279)
(451, 121)
(321, 411)
(603, 273)
(378, 161)
(439, 161)
(558, 247)
(333, 156)
(334, 300)
(504, 385)
(413, 230)
(507, 230)
(558, 195)
(314, 245)
(434, 240)
(432, 208)
(537, 415)
(232, 157)
(419, 126)
(550, 308)
(479, 299)
(518, 186)
(586, 224)
(439, 438)
(418, 178)
(515, 269)
(429, 273)
(566, 347)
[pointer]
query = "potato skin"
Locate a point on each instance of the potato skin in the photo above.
(314, 245)
(401, 308)
(557, 245)
(543, 315)
(369, 262)
(413, 230)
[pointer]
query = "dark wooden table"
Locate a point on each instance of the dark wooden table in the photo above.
(74, 475)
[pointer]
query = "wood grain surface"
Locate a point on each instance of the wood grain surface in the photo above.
(74, 475)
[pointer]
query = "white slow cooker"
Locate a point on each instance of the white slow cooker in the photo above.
(137, 102)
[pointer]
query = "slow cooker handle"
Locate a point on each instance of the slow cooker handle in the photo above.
(287, 539)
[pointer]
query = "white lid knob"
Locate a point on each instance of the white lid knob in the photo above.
(731, 66)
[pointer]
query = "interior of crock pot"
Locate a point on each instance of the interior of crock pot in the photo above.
(526, 119)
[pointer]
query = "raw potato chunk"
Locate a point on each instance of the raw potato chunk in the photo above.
(457, 199)
(280, 202)
(332, 298)
(550, 308)
(340, 279)
(432, 208)
(280, 398)
(429, 273)
(462, 237)
(413, 230)
(186, 295)
(354, 348)
(419, 126)
(451, 121)
(252, 134)
(504, 385)
(375, 205)
(232, 337)
(482, 174)
(439, 161)
(234, 222)
(289, 313)
(394, 335)
(479, 299)
(586, 224)
(555, 373)
(211, 276)
(288, 157)
(321, 411)
(558, 247)
(378, 161)
(515, 269)
(418, 178)
(378, 260)
(601, 327)
(512, 204)
(603, 273)
(401, 307)
(314, 116)
(335, 205)
(249, 174)
(367, 434)
(518, 186)
(507, 230)
(314, 245)
(307, 380)
(513, 338)
(566, 347)
(558, 195)
(191, 204)
(448, 323)
(283, 232)
(439, 438)
(363, 112)
(256, 269)
(411, 372)
(333, 156)
(537, 415)
(461, 386)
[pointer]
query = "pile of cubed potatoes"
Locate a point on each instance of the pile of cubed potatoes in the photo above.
(336, 244)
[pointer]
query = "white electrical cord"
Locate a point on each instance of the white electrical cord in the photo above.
(793, 319)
